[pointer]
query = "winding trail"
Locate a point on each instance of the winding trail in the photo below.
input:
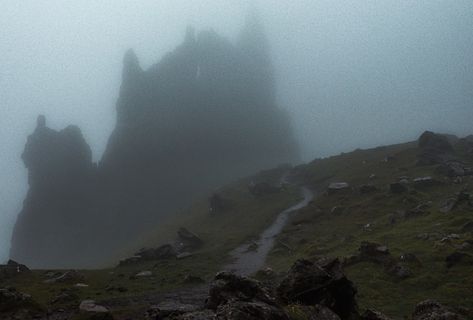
(247, 262)
(244, 263)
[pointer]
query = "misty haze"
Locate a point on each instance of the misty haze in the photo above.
(236, 159)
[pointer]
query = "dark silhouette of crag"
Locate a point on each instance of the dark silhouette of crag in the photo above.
(204, 115)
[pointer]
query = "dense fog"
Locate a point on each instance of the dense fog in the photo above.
(350, 74)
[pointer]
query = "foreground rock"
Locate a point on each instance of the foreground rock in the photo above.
(11, 300)
(187, 241)
(71, 276)
(338, 187)
(321, 283)
(163, 252)
(231, 287)
(11, 269)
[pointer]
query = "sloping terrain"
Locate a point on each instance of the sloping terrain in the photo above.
(399, 218)
(241, 216)
(423, 223)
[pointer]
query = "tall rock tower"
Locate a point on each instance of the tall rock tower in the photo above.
(204, 115)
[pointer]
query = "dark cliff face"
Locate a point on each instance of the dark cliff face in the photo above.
(204, 115)
(54, 221)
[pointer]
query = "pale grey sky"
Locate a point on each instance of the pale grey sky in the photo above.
(352, 73)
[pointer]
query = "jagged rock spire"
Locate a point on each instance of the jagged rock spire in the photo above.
(131, 65)
(254, 45)
(41, 121)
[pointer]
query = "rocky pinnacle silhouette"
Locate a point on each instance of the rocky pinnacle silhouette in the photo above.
(202, 116)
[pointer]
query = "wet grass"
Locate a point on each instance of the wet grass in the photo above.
(319, 230)
(243, 219)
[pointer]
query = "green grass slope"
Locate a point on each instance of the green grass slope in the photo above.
(336, 224)
(243, 219)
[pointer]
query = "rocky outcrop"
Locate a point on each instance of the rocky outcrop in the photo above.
(56, 225)
(12, 269)
(338, 187)
(187, 241)
(320, 283)
(434, 148)
(202, 116)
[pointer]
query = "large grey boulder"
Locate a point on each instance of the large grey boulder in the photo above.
(323, 283)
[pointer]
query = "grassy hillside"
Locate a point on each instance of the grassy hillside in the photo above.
(409, 223)
(244, 217)
(336, 224)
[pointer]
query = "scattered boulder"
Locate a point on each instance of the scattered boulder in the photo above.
(452, 169)
(457, 258)
(71, 276)
(429, 236)
(450, 237)
(233, 297)
(448, 205)
(432, 310)
(453, 202)
(374, 252)
(397, 188)
(166, 251)
(130, 261)
(144, 274)
(409, 258)
(12, 301)
(11, 269)
(188, 241)
(434, 149)
(417, 211)
(231, 287)
(399, 271)
(323, 283)
(377, 253)
(426, 182)
(338, 187)
(184, 255)
(92, 307)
